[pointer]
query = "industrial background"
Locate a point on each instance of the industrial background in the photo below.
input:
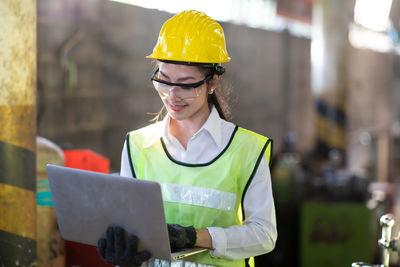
(323, 85)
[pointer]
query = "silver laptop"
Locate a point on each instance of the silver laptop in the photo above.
(87, 202)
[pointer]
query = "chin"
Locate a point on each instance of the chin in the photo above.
(177, 116)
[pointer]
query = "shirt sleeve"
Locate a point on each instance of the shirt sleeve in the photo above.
(125, 165)
(258, 233)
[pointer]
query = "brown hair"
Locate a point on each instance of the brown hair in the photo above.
(220, 97)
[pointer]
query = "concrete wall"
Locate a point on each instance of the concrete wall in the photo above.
(93, 77)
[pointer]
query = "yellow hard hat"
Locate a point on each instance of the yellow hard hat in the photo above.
(191, 36)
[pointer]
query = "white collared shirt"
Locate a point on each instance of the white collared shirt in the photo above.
(258, 233)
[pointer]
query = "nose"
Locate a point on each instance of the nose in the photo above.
(172, 94)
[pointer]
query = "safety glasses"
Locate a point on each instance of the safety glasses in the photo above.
(181, 90)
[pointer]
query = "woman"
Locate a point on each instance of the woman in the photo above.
(215, 176)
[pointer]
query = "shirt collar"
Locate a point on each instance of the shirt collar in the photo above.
(212, 126)
(158, 132)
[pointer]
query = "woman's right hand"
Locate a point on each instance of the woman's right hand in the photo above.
(121, 248)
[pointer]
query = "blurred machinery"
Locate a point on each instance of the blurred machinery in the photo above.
(339, 215)
(326, 215)
(386, 242)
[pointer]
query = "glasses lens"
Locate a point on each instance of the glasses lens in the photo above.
(181, 92)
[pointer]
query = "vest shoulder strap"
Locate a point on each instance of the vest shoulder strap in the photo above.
(259, 139)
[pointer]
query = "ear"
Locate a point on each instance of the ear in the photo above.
(214, 81)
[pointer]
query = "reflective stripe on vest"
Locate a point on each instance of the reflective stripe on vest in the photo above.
(199, 196)
(202, 195)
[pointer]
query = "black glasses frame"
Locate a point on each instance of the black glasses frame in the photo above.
(182, 85)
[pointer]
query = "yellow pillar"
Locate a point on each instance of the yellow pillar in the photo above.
(17, 132)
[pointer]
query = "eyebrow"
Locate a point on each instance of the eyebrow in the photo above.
(180, 79)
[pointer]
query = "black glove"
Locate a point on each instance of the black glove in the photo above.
(120, 248)
(181, 237)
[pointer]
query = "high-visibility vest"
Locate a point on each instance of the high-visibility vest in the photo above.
(203, 195)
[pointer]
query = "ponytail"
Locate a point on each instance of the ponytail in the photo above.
(218, 99)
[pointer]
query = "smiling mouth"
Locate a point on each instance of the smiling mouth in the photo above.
(177, 107)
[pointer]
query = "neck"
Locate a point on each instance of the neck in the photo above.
(183, 130)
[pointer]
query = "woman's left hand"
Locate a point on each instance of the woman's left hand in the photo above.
(181, 237)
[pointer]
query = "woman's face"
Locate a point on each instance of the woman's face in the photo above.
(178, 108)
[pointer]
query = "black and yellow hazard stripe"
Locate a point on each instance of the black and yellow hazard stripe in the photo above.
(17, 187)
(16, 250)
(331, 124)
(18, 133)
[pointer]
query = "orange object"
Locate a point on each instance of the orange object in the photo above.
(86, 159)
(78, 254)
